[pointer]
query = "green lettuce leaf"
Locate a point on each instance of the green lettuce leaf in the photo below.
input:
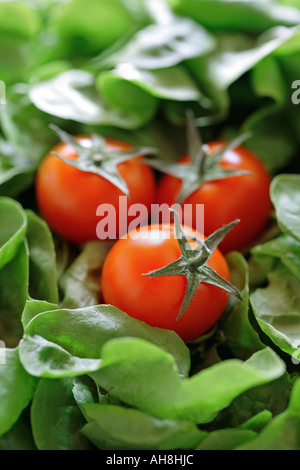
(12, 230)
(14, 279)
(20, 24)
(161, 45)
(276, 308)
(237, 330)
(72, 95)
(226, 439)
(164, 394)
(42, 260)
(55, 417)
(112, 427)
(173, 83)
(283, 247)
(232, 438)
(270, 399)
(285, 195)
(19, 436)
(71, 334)
(80, 282)
(99, 23)
(283, 432)
(21, 386)
(240, 15)
(34, 307)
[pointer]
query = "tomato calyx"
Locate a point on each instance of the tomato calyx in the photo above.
(202, 166)
(98, 158)
(193, 263)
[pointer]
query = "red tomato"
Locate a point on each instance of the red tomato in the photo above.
(157, 301)
(243, 197)
(68, 197)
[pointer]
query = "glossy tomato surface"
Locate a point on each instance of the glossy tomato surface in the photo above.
(157, 301)
(243, 197)
(68, 197)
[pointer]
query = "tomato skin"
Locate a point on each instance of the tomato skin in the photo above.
(68, 197)
(157, 301)
(243, 197)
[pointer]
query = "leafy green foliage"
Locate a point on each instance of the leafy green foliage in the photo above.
(14, 272)
(237, 331)
(19, 437)
(42, 260)
(54, 405)
(195, 399)
(238, 15)
(82, 332)
(99, 23)
(77, 374)
(276, 306)
(22, 385)
(112, 427)
(282, 433)
(14, 277)
(13, 229)
(285, 193)
(80, 283)
(162, 45)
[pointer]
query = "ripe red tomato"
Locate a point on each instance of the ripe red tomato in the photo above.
(157, 300)
(244, 197)
(68, 197)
